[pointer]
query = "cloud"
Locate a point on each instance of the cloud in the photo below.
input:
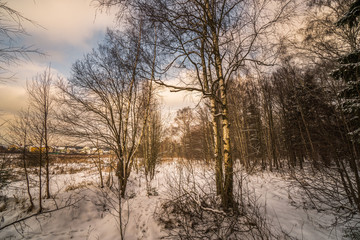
(177, 100)
(63, 22)
(13, 95)
(26, 71)
(66, 29)
(12, 99)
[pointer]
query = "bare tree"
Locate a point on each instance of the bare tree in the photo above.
(205, 130)
(320, 39)
(107, 98)
(97, 159)
(151, 145)
(184, 123)
(19, 132)
(11, 28)
(39, 90)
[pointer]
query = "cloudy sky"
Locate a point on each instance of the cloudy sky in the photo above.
(65, 30)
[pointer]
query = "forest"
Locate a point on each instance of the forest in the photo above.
(269, 150)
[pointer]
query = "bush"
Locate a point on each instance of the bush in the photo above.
(193, 211)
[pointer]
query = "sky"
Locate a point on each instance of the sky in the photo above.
(64, 31)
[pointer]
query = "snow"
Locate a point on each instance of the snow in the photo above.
(89, 218)
(282, 202)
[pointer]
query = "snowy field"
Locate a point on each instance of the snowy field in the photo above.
(79, 209)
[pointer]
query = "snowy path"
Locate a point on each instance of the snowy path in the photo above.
(142, 224)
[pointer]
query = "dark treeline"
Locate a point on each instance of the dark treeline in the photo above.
(281, 121)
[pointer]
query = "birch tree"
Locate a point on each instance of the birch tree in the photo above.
(205, 43)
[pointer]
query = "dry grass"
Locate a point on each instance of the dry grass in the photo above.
(80, 185)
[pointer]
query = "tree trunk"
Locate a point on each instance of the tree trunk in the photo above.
(100, 170)
(228, 162)
(217, 150)
(47, 155)
(227, 197)
(40, 169)
(26, 174)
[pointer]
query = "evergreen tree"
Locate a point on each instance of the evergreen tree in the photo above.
(349, 72)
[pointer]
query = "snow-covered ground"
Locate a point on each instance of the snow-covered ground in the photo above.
(89, 217)
(282, 201)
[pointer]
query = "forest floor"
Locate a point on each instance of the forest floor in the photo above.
(83, 210)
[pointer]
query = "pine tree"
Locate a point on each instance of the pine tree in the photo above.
(351, 16)
(349, 72)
